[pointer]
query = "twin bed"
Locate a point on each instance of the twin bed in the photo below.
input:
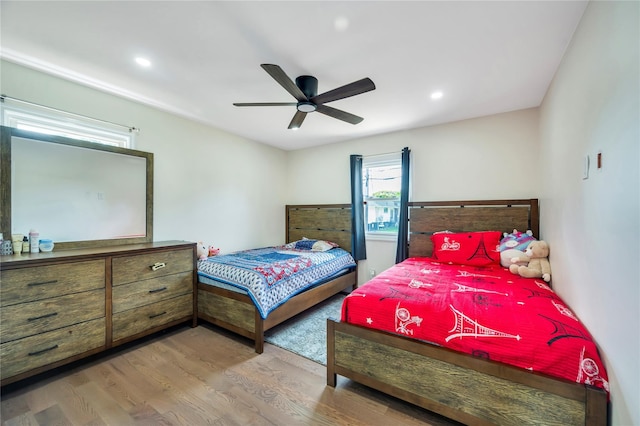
(483, 308)
(229, 295)
(475, 386)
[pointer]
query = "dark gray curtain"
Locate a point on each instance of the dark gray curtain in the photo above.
(402, 252)
(358, 243)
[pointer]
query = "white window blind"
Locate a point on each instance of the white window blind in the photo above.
(32, 117)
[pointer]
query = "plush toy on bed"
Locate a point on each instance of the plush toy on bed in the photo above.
(202, 250)
(213, 251)
(538, 265)
(513, 245)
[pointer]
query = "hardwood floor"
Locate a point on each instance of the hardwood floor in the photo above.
(198, 376)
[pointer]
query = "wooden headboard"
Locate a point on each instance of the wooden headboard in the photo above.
(425, 218)
(330, 222)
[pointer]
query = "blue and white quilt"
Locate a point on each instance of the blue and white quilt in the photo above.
(272, 275)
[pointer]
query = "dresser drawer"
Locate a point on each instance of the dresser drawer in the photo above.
(36, 351)
(145, 292)
(43, 282)
(134, 321)
(141, 267)
(31, 318)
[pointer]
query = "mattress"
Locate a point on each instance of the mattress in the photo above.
(272, 275)
(484, 311)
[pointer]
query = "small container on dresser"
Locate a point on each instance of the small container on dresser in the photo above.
(34, 241)
(25, 245)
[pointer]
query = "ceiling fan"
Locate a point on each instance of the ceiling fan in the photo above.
(305, 90)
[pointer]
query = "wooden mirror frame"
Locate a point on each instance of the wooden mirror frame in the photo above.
(7, 133)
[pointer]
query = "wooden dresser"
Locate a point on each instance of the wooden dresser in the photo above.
(62, 306)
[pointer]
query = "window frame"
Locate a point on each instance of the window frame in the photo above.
(48, 121)
(379, 161)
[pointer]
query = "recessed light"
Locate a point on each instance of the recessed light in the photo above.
(436, 95)
(143, 62)
(341, 24)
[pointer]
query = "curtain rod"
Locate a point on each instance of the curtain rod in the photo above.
(383, 154)
(131, 129)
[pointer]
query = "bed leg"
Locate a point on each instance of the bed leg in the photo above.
(259, 333)
(596, 407)
(331, 375)
(331, 379)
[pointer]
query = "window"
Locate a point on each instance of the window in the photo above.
(381, 184)
(45, 120)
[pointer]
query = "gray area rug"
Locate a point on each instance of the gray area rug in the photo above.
(306, 333)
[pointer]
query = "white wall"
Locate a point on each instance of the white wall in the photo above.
(488, 157)
(492, 157)
(593, 225)
(210, 185)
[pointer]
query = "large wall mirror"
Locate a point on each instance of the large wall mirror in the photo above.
(79, 194)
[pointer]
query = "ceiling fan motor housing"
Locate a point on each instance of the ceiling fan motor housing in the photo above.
(308, 84)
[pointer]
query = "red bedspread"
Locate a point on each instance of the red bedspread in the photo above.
(484, 311)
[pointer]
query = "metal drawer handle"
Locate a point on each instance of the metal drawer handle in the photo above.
(43, 351)
(158, 265)
(42, 283)
(53, 314)
(157, 315)
(157, 290)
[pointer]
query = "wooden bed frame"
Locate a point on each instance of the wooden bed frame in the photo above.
(236, 311)
(459, 386)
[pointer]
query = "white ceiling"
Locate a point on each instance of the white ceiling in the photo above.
(486, 57)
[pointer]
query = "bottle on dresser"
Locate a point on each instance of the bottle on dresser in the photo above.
(34, 241)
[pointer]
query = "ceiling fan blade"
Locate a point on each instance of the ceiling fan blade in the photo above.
(339, 114)
(351, 89)
(244, 104)
(297, 120)
(283, 79)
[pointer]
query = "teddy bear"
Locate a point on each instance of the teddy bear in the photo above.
(513, 245)
(202, 250)
(538, 265)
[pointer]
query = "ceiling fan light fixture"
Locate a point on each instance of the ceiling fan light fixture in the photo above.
(306, 107)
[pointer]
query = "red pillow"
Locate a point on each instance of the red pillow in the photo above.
(467, 248)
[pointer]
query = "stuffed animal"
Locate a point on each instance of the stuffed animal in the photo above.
(213, 251)
(513, 245)
(538, 265)
(202, 250)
